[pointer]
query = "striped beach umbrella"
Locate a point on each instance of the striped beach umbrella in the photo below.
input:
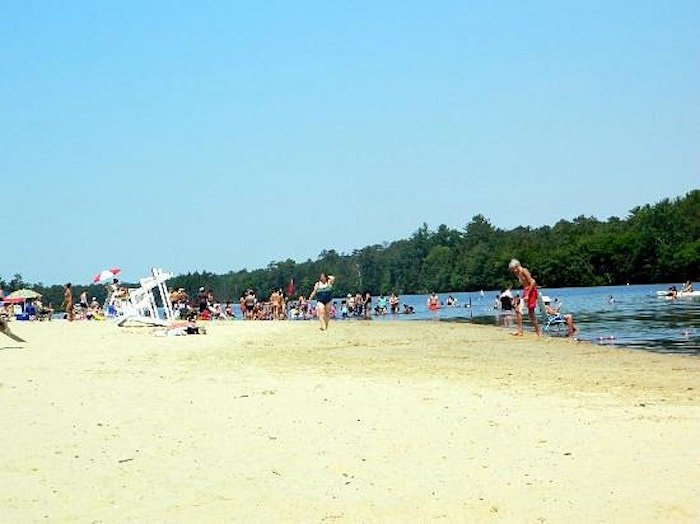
(106, 274)
(22, 294)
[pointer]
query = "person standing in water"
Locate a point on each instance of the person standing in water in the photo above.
(323, 292)
(529, 295)
(433, 302)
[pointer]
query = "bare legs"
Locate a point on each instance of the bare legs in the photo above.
(570, 326)
(518, 322)
(324, 314)
(533, 320)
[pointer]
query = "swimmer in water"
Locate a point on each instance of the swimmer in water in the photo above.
(433, 302)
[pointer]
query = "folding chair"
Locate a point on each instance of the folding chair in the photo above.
(549, 322)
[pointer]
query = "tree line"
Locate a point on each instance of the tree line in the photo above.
(654, 243)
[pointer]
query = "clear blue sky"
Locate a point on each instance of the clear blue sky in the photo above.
(225, 135)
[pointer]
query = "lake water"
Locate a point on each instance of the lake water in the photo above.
(636, 319)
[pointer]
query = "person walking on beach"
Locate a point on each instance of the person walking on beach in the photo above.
(323, 291)
(529, 295)
(68, 301)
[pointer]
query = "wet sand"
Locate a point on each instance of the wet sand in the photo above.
(368, 422)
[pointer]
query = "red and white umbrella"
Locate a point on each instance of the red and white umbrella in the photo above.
(106, 274)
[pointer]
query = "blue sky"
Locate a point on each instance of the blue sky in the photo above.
(225, 135)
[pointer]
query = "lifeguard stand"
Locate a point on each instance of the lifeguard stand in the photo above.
(141, 305)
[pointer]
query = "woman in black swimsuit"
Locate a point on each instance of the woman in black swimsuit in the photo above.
(323, 291)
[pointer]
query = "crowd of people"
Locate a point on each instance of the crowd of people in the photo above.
(320, 304)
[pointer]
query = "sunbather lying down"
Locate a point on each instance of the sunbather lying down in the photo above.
(5, 330)
(181, 329)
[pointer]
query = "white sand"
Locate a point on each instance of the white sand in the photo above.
(369, 422)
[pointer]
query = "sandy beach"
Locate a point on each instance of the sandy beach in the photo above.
(368, 422)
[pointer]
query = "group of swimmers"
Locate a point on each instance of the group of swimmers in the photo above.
(686, 288)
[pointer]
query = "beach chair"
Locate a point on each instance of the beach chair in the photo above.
(549, 322)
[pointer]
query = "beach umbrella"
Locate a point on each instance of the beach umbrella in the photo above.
(12, 301)
(106, 274)
(21, 295)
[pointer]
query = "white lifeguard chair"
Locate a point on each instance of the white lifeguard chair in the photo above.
(141, 305)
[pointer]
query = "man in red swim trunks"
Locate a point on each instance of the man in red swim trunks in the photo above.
(529, 296)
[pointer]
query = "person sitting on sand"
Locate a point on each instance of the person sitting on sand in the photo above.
(323, 289)
(116, 293)
(350, 302)
(228, 310)
(216, 312)
(42, 312)
(293, 311)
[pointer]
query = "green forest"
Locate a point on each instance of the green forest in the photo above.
(654, 243)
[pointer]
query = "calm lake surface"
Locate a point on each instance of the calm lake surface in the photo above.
(637, 318)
